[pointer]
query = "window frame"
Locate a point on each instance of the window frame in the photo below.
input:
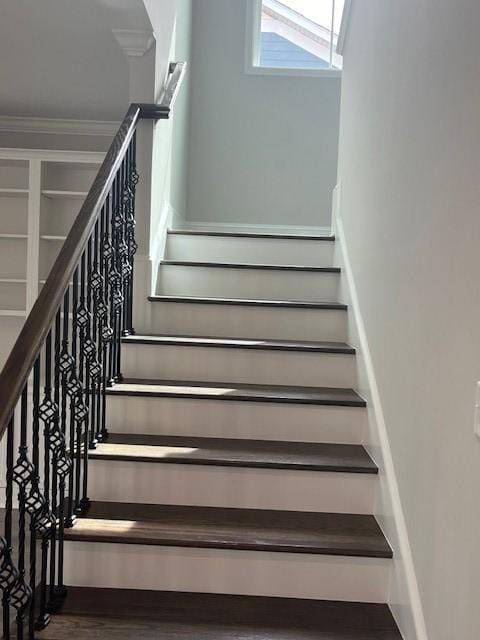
(252, 50)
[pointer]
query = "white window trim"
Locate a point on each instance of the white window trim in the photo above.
(342, 36)
(252, 50)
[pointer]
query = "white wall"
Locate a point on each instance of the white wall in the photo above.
(263, 149)
(409, 174)
(59, 59)
(172, 22)
(161, 148)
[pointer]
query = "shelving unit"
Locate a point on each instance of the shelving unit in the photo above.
(64, 195)
(41, 192)
(13, 193)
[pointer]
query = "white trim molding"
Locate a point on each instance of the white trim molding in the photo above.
(59, 126)
(52, 155)
(134, 42)
(342, 36)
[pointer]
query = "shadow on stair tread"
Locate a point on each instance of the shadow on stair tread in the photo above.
(346, 458)
(238, 392)
(150, 615)
(232, 528)
(308, 346)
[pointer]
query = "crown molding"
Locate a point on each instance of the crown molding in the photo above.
(59, 126)
(134, 42)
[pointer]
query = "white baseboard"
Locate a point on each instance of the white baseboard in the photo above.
(404, 597)
(253, 228)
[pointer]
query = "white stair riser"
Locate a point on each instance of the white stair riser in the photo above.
(106, 565)
(204, 485)
(255, 250)
(264, 284)
(216, 364)
(238, 321)
(257, 421)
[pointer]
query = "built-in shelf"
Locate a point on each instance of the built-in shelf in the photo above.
(41, 193)
(42, 282)
(6, 192)
(13, 313)
(54, 238)
(65, 195)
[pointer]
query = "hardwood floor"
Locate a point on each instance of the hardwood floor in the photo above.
(237, 392)
(105, 614)
(308, 346)
(242, 529)
(229, 452)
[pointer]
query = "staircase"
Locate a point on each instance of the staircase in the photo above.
(233, 498)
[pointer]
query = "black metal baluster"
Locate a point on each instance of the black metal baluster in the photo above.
(48, 414)
(110, 275)
(105, 330)
(126, 257)
(21, 594)
(63, 461)
(82, 320)
(91, 364)
(132, 245)
(121, 254)
(67, 369)
(54, 439)
(33, 500)
(96, 283)
(8, 573)
(115, 277)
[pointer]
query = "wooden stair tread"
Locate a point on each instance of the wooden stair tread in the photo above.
(158, 615)
(236, 453)
(249, 265)
(250, 234)
(242, 343)
(238, 392)
(227, 528)
(251, 302)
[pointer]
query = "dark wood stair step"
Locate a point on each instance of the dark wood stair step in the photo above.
(237, 392)
(242, 343)
(238, 529)
(250, 234)
(249, 265)
(111, 614)
(250, 302)
(222, 452)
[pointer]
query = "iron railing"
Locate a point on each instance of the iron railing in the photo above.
(52, 387)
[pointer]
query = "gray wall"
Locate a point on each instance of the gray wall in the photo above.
(263, 149)
(409, 170)
(59, 59)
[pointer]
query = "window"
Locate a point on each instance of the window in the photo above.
(294, 36)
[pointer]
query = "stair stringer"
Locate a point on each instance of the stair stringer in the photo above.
(404, 595)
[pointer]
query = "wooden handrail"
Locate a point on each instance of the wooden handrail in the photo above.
(162, 110)
(28, 345)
